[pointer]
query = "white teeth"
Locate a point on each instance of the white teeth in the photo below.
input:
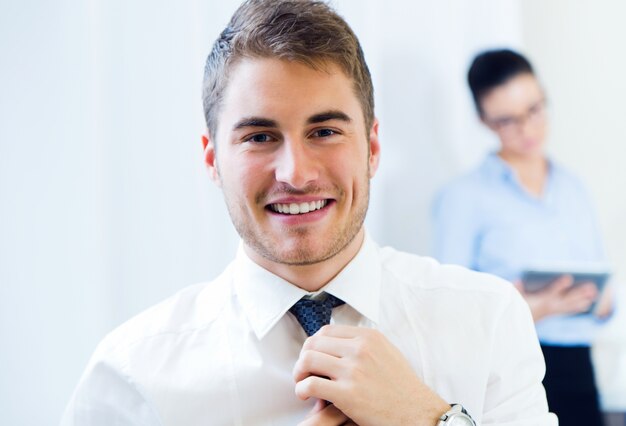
(301, 208)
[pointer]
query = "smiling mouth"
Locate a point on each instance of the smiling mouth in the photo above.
(298, 208)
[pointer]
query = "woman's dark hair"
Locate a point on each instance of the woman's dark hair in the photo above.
(493, 68)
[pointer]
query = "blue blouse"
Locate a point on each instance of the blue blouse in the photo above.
(486, 221)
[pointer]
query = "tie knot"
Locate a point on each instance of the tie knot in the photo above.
(312, 314)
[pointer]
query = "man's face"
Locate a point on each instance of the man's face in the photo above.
(292, 159)
(515, 110)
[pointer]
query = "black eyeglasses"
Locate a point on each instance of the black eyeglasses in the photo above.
(509, 125)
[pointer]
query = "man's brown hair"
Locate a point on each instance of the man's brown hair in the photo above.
(306, 31)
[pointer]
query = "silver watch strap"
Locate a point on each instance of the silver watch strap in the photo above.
(456, 411)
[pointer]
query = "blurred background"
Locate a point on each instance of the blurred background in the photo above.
(105, 205)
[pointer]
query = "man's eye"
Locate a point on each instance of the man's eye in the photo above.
(324, 133)
(259, 138)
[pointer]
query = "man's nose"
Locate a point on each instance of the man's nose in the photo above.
(296, 164)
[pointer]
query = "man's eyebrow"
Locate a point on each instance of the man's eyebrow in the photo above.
(255, 122)
(327, 116)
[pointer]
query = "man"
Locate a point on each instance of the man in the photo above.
(293, 142)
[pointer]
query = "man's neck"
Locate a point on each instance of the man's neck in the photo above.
(315, 276)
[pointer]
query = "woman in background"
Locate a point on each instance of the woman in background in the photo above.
(518, 209)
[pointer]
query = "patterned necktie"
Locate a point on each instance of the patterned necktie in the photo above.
(313, 314)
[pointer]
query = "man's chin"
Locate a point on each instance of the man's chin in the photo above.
(298, 256)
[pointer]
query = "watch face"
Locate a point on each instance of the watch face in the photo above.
(460, 419)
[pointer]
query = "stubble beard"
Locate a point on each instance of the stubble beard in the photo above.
(301, 255)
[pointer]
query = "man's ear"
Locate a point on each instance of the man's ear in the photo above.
(374, 149)
(210, 158)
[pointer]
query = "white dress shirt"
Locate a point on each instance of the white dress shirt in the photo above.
(222, 353)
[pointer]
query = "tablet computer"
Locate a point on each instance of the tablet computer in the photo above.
(535, 280)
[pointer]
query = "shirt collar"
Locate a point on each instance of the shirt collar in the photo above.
(498, 168)
(265, 297)
(495, 165)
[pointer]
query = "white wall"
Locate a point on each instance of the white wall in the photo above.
(105, 207)
(578, 48)
(580, 53)
(419, 53)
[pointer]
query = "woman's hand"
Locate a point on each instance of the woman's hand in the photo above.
(559, 298)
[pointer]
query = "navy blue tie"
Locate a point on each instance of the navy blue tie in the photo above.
(313, 314)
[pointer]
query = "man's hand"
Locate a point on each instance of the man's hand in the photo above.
(365, 377)
(559, 298)
(326, 415)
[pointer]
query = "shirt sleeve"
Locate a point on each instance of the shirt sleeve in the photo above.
(455, 229)
(106, 396)
(515, 395)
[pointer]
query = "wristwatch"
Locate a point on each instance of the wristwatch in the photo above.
(456, 416)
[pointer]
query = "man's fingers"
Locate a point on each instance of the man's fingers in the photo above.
(319, 406)
(325, 415)
(316, 387)
(315, 363)
(341, 331)
(335, 346)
